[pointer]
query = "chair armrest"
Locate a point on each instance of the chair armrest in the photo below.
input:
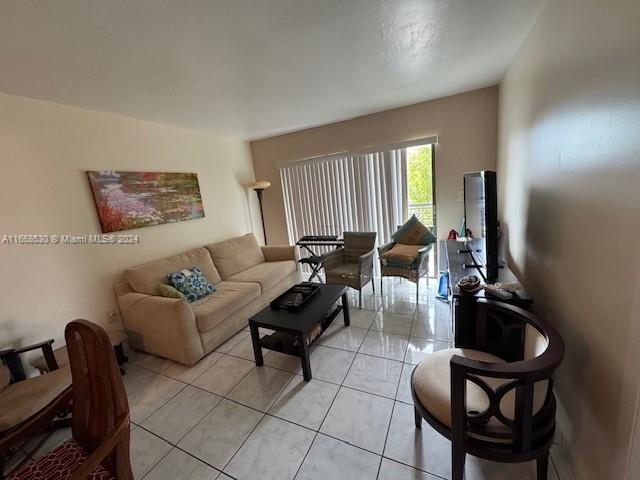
(332, 259)
(7, 352)
(366, 264)
(104, 449)
(425, 249)
(423, 258)
(367, 258)
(537, 368)
(35, 346)
(385, 247)
(278, 253)
(45, 346)
(162, 326)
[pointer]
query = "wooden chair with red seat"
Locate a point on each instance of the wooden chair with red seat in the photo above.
(99, 447)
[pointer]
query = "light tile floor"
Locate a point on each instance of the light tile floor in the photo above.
(226, 419)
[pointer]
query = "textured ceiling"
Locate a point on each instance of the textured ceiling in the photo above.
(253, 68)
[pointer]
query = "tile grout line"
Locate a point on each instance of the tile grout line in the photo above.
(386, 437)
(264, 414)
(341, 385)
(223, 398)
(172, 447)
(293, 423)
(332, 402)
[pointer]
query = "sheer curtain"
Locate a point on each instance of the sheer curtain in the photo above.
(359, 192)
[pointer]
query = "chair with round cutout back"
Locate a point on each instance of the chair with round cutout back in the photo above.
(495, 402)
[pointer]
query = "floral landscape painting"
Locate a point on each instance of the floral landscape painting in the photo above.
(126, 200)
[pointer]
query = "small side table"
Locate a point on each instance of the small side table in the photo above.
(62, 357)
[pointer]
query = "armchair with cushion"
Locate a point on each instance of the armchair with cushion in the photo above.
(495, 402)
(30, 405)
(407, 255)
(352, 265)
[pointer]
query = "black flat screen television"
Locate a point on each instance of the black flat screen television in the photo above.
(481, 221)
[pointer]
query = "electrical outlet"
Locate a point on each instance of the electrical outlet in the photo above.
(461, 195)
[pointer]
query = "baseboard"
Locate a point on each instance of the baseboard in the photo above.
(561, 454)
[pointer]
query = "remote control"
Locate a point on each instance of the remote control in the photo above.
(498, 292)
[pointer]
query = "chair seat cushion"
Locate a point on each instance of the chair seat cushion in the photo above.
(267, 274)
(21, 400)
(431, 383)
(401, 255)
(348, 270)
(59, 464)
(228, 298)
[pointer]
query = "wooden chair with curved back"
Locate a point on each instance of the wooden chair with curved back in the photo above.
(495, 402)
(99, 447)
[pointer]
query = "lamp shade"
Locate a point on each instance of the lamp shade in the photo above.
(259, 184)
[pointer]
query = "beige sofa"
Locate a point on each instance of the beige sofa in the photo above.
(246, 276)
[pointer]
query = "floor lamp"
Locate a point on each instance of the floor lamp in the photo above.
(259, 186)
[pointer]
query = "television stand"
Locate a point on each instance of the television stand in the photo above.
(471, 265)
(466, 250)
(463, 305)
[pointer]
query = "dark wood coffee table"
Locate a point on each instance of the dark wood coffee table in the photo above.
(291, 327)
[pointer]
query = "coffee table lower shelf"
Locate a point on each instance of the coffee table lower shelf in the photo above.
(291, 340)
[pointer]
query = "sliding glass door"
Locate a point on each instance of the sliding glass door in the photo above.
(362, 192)
(374, 191)
(421, 184)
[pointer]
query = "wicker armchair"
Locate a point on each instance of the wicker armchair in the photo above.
(417, 270)
(352, 265)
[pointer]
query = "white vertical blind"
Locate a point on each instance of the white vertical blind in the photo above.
(355, 192)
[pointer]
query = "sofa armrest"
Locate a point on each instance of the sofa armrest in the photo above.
(278, 253)
(162, 326)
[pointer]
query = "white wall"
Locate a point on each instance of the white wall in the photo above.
(466, 126)
(569, 172)
(45, 149)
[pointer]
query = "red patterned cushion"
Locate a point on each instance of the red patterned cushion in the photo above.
(59, 464)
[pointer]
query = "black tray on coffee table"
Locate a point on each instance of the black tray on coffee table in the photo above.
(291, 327)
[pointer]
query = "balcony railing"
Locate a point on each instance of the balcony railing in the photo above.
(424, 212)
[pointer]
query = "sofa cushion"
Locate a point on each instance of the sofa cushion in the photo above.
(21, 400)
(170, 292)
(228, 298)
(236, 255)
(267, 274)
(146, 277)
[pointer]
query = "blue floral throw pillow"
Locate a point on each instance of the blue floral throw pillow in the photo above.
(192, 283)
